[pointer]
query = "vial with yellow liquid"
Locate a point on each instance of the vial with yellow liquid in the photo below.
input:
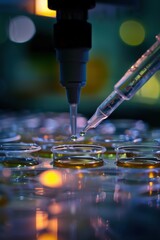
(19, 154)
(78, 155)
(144, 155)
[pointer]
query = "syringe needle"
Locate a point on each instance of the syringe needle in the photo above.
(73, 121)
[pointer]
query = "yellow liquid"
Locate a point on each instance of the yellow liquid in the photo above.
(78, 162)
(139, 163)
(18, 162)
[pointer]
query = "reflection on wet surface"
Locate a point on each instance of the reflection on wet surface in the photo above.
(44, 202)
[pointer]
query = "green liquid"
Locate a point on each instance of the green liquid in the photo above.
(110, 154)
(45, 154)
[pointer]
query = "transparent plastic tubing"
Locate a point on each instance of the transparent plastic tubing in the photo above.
(139, 73)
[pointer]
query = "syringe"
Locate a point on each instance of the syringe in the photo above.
(143, 69)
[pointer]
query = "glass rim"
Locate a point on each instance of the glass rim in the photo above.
(138, 146)
(19, 147)
(10, 139)
(74, 149)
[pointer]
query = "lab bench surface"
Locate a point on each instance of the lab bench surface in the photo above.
(44, 202)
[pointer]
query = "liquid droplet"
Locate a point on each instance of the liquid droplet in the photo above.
(82, 133)
(74, 138)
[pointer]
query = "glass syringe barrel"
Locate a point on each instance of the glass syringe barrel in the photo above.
(129, 84)
(140, 72)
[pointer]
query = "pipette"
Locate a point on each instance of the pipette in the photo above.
(143, 69)
(73, 121)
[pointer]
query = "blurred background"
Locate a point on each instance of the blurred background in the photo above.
(29, 71)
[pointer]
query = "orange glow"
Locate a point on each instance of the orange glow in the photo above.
(53, 227)
(46, 137)
(41, 8)
(80, 175)
(151, 175)
(41, 220)
(51, 178)
(46, 236)
(39, 191)
(150, 188)
(55, 208)
(6, 172)
(150, 167)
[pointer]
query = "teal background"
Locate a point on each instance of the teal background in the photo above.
(29, 74)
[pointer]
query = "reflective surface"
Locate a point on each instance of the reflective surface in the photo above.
(108, 202)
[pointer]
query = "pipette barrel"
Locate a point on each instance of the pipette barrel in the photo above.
(140, 72)
(128, 85)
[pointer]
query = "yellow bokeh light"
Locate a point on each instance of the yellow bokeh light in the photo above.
(151, 90)
(53, 227)
(41, 8)
(151, 175)
(97, 68)
(51, 178)
(46, 236)
(53, 231)
(132, 32)
(41, 220)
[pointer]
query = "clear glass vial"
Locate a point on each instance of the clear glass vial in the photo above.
(19, 154)
(47, 141)
(113, 141)
(78, 155)
(145, 155)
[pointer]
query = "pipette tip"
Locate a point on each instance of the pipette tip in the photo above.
(85, 129)
(94, 121)
(82, 133)
(73, 120)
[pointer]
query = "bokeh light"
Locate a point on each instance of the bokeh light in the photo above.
(41, 8)
(41, 220)
(51, 178)
(132, 32)
(21, 29)
(151, 90)
(46, 236)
